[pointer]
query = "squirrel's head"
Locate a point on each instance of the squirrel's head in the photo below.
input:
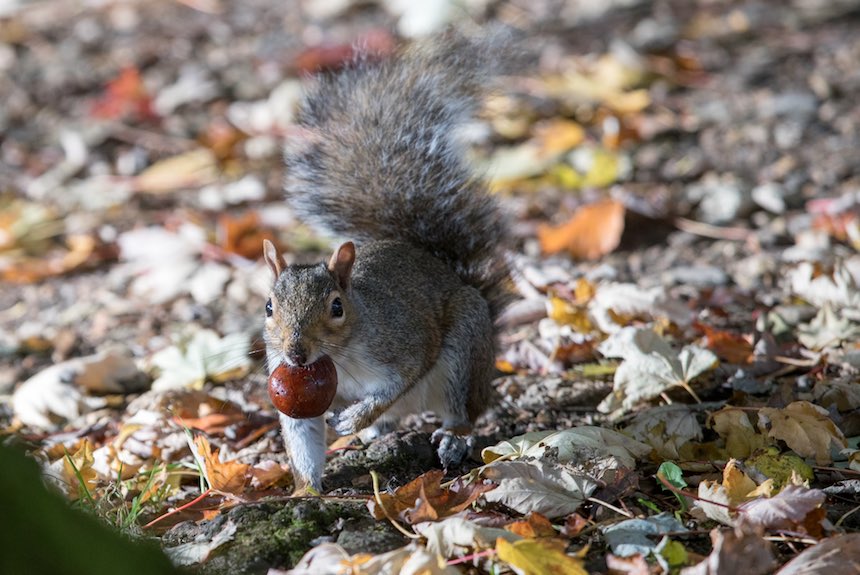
(309, 312)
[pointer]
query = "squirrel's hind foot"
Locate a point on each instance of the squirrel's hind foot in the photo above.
(451, 447)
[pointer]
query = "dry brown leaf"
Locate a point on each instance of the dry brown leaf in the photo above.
(534, 525)
(188, 170)
(837, 555)
(730, 347)
(738, 551)
(741, 438)
(424, 499)
(805, 428)
(794, 508)
(244, 235)
(558, 136)
(592, 232)
(227, 477)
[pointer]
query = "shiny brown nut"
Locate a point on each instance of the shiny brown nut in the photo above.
(303, 391)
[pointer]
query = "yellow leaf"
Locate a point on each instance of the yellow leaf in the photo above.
(564, 312)
(191, 169)
(78, 468)
(741, 438)
(805, 428)
(539, 557)
(558, 136)
(738, 486)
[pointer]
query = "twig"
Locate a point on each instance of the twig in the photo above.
(178, 509)
(845, 516)
(710, 231)
(472, 556)
(394, 522)
(612, 507)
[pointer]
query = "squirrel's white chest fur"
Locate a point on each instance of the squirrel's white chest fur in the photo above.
(359, 376)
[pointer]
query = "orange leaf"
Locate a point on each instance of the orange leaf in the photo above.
(730, 347)
(226, 477)
(125, 96)
(534, 525)
(592, 232)
(243, 235)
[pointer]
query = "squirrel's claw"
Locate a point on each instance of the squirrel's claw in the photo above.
(354, 418)
(451, 447)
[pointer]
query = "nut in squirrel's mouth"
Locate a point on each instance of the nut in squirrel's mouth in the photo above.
(303, 391)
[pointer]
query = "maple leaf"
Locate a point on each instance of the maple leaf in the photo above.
(805, 428)
(527, 486)
(666, 429)
(424, 499)
(227, 477)
(534, 556)
(650, 367)
(795, 508)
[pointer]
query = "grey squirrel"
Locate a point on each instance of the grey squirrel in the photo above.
(408, 316)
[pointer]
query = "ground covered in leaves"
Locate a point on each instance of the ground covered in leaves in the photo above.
(680, 388)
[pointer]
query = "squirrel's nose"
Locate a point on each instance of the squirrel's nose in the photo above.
(296, 356)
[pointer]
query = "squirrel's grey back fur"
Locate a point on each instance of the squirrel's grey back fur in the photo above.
(377, 156)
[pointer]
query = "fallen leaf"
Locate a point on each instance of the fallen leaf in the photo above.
(734, 426)
(558, 136)
(794, 508)
(720, 501)
(78, 473)
(243, 235)
(636, 536)
(730, 347)
(827, 330)
(192, 169)
(204, 355)
(780, 468)
(125, 97)
(650, 367)
(455, 536)
(806, 428)
(738, 551)
(536, 556)
(535, 486)
(227, 477)
(632, 565)
(569, 445)
(666, 429)
(424, 499)
(592, 232)
(843, 395)
(837, 555)
(199, 549)
(617, 305)
(534, 525)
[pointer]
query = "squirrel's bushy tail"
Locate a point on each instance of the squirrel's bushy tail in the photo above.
(377, 155)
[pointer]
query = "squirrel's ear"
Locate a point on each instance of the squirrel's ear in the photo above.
(272, 257)
(341, 262)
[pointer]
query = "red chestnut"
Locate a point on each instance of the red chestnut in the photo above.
(303, 391)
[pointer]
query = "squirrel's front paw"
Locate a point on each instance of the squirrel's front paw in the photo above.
(352, 419)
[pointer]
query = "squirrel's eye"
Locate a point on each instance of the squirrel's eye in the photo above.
(336, 308)
(269, 308)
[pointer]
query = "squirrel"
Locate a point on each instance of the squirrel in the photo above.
(407, 308)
